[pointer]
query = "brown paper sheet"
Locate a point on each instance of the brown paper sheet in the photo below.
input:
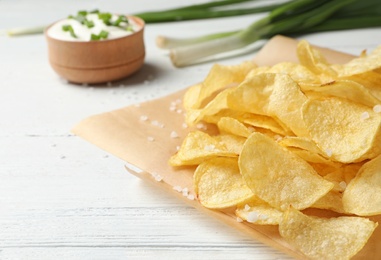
(147, 144)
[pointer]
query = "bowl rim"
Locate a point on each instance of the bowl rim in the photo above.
(141, 24)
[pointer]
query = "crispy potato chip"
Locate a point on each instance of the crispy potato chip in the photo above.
(191, 96)
(218, 104)
(297, 72)
(312, 157)
(265, 94)
(265, 122)
(312, 59)
(347, 131)
(323, 238)
(370, 80)
(331, 201)
(363, 194)
(348, 89)
(219, 184)
(232, 143)
(278, 176)
(257, 211)
(197, 147)
(360, 65)
(219, 78)
(233, 126)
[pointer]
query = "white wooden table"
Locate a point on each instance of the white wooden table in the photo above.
(62, 198)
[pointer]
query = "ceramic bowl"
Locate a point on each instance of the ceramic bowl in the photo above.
(92, 62)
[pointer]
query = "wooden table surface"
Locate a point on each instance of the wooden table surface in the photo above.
(63, 198)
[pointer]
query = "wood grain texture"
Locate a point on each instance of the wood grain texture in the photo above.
(62, 198)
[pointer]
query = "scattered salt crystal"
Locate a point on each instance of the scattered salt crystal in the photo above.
(143, 118)
(263, 217)
(178, 147)
(190, 197)
(184, 125)
(201, 126)
(377, 108)
(328, 152)
(155, 123)
(277, 138)
(158, 177)
(178, 101)
(364, 116)
(209, 147)
(172, 108)
(174, 134)
(185, 192)
(343, 185)
(247, 207)
(150, 138)
(177, 188)
(240, 220)
(252, 217)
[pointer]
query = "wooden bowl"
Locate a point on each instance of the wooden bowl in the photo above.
(102, 61)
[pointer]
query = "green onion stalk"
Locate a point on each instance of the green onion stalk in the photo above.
(294, 17)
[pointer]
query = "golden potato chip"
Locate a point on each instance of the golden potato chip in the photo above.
(346, 132)
(197, 147)
(312, 157)
(257, 211)
(323, 238)
(191, 96)
(361, 64)
(233, 143)
(219, 103)
(297, 72)
(312, 59)
(265, 94)
(219, 78)
(370, 80)
(331, 201)
(233, 126)
(362, 196)
(348, 89)
(219, 184)
(265, 122)
(278, 176)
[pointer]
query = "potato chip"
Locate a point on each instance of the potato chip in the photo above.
(331, 201)
(197, 147)
(361, 64)
(313, 60)
(233, 126)
(311, 157)
(265, 94)
(264, 122)
(323, 238)
(219, 78)
(347, 131)
(219, 184)
(278, 176)
(348, 89)
(232, 143)
(257, 211)
(362, 196)
(297, 72)
(370, 80)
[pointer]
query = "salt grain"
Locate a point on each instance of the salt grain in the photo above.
(184, 125)
(240, 220)
(179, 111)
(247, 207)
(364, 116)
(158, 178)
(150, 139)
(328, 152)
(190, 197)
(377, 108)
(174, 134)
(209, 147)
(178, 147)
(143, 118)
(201, 126)
(177, 188)
(252, 217)
(185, 192)
(343, 185)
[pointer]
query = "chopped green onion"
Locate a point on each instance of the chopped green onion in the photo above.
(69, 28)
(102, 35)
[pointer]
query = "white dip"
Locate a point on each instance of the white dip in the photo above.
(83, 33)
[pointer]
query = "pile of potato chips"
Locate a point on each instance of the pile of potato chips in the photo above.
(291, 137)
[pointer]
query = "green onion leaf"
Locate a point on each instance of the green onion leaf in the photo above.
(69, 28)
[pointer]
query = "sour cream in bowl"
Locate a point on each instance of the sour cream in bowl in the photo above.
(95, 47)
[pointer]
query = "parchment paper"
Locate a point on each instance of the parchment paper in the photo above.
(143, 136)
